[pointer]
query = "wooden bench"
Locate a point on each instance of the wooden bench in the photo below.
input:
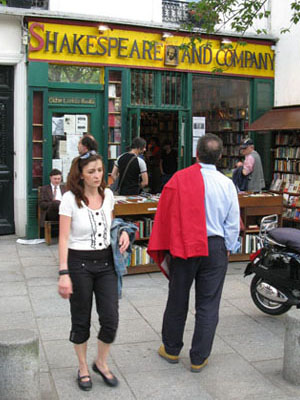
(47, 224)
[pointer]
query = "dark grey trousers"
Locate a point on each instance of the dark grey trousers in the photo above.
(209, 275)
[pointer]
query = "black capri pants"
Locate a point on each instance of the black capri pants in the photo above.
(93, 272)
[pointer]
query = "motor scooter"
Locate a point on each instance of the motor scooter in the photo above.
(275, 287)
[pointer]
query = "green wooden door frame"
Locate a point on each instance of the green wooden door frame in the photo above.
(38, 81)
(262, 100)
(94, 111)
(134, 124)
(124, 100)
(183, 111)
(184, 139)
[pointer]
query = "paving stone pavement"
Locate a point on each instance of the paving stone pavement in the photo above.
(246, 362)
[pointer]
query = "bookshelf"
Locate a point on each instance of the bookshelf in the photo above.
(141, 213)
(286, 174)
(252, 206)
(229, 123)
(114, 117)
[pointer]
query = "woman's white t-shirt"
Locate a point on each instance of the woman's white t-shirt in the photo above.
(90, 229)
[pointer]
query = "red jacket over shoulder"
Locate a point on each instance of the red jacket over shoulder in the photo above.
(180, 226)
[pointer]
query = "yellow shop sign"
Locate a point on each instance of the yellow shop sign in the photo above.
(83, 45)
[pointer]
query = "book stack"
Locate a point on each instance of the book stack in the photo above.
(252, 243)
(140, 256)
(144, 226)
(287, 152)
(291, 213)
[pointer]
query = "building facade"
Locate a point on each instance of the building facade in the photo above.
(118, 79)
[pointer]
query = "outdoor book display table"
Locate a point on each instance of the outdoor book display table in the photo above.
(141, 212)
(253, 207)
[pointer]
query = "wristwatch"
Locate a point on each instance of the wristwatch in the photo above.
(63, 272)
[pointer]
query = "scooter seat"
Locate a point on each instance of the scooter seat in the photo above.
(290, 237)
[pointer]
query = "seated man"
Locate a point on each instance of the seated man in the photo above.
(50, 197)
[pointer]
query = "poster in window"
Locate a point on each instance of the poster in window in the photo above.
(57, 163)
(195, 142)
(198, 126)
(81, 124)
(72, 145)
(69, 123)
(62, 148)
(66, 165)
(112, 90)
(58, 126)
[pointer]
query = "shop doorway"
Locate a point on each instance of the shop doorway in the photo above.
(157, 128)
(160, 130)
(7, 225)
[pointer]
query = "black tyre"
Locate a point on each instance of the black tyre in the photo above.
(265, 305)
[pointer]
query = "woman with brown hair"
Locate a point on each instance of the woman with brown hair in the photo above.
(86, 262)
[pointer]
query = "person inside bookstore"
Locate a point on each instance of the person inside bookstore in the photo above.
(252, 166)
(195, 248)
(50, 197)
(153, 161)
(87, 143)
(168, 162)
(86, 263)
(131, 170)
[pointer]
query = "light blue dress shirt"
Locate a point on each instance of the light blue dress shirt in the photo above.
(222, 209)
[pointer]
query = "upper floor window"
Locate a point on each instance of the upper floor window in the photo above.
(142, 88)
(73, 74)
(42, 4)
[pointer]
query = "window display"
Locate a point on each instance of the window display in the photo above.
(224, 103)
(67, 129)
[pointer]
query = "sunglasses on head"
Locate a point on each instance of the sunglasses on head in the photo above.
(88, 155)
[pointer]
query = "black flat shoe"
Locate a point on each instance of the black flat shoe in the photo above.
(112, 382)
(84, 385)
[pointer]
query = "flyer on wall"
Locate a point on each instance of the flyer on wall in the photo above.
(198, 131)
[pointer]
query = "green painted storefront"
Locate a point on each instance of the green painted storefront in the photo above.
(145, 94)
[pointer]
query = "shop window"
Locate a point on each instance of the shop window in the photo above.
(142, 88)
(37, 140)
(221, 106)
(74, 74)
(171, 87)
(67, 129)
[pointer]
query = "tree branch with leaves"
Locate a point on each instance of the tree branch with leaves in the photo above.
(212, 16)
